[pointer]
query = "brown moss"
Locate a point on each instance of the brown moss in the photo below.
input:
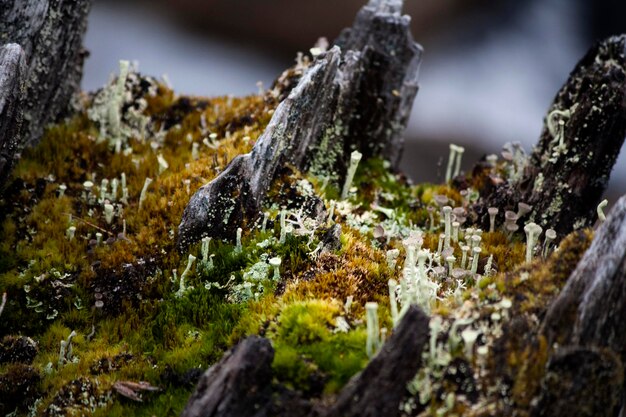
(359, 271)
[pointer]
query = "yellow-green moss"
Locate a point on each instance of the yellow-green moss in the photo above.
(155, 334)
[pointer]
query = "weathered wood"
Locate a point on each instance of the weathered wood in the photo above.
(385, 79)
(50, 32)
(354, 97)
(588, 319)
(12, 73)
(583, 133)
(379, 389)
(590, 309)
(238, 385)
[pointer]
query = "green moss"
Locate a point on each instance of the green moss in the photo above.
(124, 300)
(309, 347)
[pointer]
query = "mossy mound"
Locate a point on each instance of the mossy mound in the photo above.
(88, 246)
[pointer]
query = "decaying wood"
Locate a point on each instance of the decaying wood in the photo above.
(584, 131)
(238, 385)
(379, 389)
(588, 316)
(50, 33)
(12, 72)
(356, 96)
(590, 309)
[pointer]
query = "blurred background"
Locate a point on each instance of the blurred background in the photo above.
(489, 72)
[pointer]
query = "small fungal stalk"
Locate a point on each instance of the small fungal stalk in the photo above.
(464, 250)
(124, 198)
(493, 212)
(476, 255)
(283, 227)
(182, 288)
(163, 165)
(65, 351)
(600, 210)
(393, 301)
(455, 231)
(144, 190)
(533, 231)
(70, 232)
(454, 161)
(373, 330)
(104, 185)
(275, 264)
(549, 238)
(238, 247)
(355, 158)
(109, 213)
(204, 250)
(447, 210)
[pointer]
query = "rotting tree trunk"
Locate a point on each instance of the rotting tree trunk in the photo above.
(50, 33)
(356, 96)
(586, 322)
(584, 131)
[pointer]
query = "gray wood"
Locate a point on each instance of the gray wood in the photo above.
(356, 96)
(12, 72)
(575, 177)
(381, 386)
(590, 309)
(50, 33)
(585, 326)
(238, 385)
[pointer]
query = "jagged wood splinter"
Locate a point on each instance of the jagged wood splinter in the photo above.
(583, 133)
(356, 96)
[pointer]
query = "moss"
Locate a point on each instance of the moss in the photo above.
(123, 296)
(310, 349)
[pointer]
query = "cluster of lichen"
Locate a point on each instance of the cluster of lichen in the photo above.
(141, 311)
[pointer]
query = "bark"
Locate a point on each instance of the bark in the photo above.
(12, 73)
(583, 133)
(379, 389)
(589, 310)
(356, 96)
(50, 33)
(238, 385)
(588, 318)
